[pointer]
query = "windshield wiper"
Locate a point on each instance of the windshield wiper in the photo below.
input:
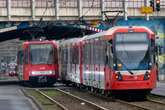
(125, 66)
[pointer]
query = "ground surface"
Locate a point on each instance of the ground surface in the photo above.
(160, 89)
(11, 98)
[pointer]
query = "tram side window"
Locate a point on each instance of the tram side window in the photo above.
(26, 56)
(64, 56)
(110, 56)
(96, 53)
(72, 55)
(55, 56)
(20, 57)
(61, 57)
(85, 54)
(88, 54)
(91, 53)
(76, 54)
(102, 53)
(153, 51)
(99, 50)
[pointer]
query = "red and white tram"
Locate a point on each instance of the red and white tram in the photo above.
(38, 62)
(119, 59)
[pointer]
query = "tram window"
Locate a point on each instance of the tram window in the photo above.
(85, 54)
(91, 52)
(55, 55)
(20, 57)
(76, 55)
(26, 56)
(65, 56)
(71, 55)
(102, 53)
(97, 53)
(153, 51)
(94, 53)
(110, 56)
(62, 56)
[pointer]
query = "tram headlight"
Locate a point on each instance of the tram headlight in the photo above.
(119, 76)
(119, 66)
(146, 75)
(51, 72)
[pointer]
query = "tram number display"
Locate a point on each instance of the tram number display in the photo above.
(43, 46)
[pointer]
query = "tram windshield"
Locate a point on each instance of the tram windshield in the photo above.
(41, 54)
(132, 51)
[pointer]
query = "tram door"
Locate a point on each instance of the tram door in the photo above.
(86, 63)
(77, 63)
(101, 63)
(92, 67)
(96, 63)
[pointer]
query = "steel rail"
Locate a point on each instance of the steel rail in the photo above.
(155, 101)
(98, 107)
(134, 105)
(52, 100)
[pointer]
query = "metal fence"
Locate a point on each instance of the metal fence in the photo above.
(20, 3)
(73, 3)
(45, 3)
(3, 3)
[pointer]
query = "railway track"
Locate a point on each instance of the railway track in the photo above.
(149, 104)
(66, 106)
(51, 99)
(92, 104)
(132, 104)
(156, 101)
(110, 103)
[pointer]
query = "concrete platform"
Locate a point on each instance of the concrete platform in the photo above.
(160, 90)
(11, 98)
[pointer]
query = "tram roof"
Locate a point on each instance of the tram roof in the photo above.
(112, 30)
(69, 41)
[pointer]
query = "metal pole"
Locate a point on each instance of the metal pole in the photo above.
(125, 5)
(9, 9)
(147, 3)
(79, 8)
(33, 9)
(102, 3)
(57, 9)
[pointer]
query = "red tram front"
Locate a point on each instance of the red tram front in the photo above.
(38, 62)
(119, 59)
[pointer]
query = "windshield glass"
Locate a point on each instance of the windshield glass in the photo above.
(41, 54)
(132, 51)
